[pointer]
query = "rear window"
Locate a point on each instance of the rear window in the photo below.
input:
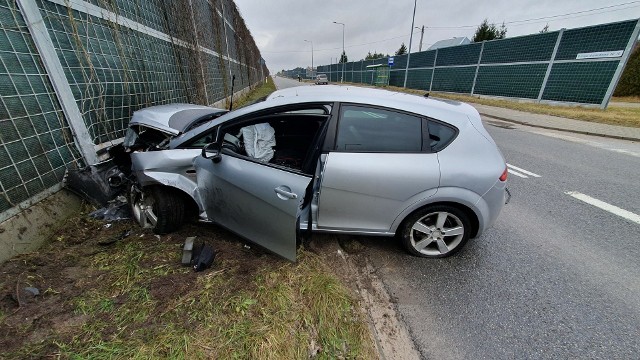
(440, 135)
(366, 129)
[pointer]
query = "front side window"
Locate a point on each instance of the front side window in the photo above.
(367, 129)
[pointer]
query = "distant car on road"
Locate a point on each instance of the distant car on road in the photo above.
(331, 159)
(322, 79)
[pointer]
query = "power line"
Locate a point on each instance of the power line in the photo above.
(580, 13)
(548, 17)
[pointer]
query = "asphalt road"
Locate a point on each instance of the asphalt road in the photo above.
(556, 277)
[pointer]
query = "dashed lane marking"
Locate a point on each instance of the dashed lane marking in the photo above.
(517, 174)
(605, 206)
(523, 171)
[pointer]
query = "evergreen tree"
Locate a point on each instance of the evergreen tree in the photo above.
(402, 50)
(486, 31)
(343, 58)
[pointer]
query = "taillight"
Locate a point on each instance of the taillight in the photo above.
(504, 175)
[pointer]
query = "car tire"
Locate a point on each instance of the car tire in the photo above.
(436, 231)
(158, 208)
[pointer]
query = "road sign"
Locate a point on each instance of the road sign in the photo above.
(390, 60)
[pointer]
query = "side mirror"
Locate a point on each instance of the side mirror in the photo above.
(212, 151)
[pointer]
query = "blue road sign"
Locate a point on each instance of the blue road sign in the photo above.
(390, 60)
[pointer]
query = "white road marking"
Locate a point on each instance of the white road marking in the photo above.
(605, 206)
(523, 171)
(606, 144)
(517, 174)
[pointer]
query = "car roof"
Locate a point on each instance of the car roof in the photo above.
(171, 118)
(453, 112)
(422, 105)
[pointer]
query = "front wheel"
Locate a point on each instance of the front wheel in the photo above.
(436, 231)
(157, 208)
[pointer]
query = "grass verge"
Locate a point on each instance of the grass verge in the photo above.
(255, 94)
(133, 300)
(613, 115)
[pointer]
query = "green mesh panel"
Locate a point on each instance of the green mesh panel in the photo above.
(422, 59)
(537, 47)
(609, 37)
(30, 117)
(459, 55)
(357, 77)
(522, 81)
(399, 62)
(396, 77)
(348, 76)
(584, 82)
(456, 79)
(419, 79)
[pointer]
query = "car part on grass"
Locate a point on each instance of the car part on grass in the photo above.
(198, 255)
(203, 258)
(187, 250)
(436, 231)
(117, 209)
(158, 208)
(97, 183)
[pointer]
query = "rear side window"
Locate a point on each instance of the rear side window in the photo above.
(366, 129)
(440, 135)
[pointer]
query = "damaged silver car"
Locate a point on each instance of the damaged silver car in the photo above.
(330, 159)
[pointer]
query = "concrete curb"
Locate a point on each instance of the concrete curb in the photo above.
(561, 129)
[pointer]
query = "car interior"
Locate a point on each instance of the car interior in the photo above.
(296, 135)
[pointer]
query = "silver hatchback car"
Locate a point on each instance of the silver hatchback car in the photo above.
(334, 159)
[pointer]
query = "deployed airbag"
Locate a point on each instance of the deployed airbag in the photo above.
(259, 140)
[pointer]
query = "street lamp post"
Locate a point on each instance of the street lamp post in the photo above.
(309, 41)
(342, 77)
(406, 69)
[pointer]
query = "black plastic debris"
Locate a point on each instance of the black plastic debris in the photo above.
(117, 209)
(97, 183)
(204, 258)
(198, 255)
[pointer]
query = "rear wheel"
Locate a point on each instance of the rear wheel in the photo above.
(436, 231)
(158, 208)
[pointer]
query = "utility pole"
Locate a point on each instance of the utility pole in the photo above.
(421, 37)
(343, 53)
(309, 41)
(406, 69)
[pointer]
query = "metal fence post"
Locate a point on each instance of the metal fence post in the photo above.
(433, 72)
(199, 53)
(621, 65)
(55, 72)
(226, 41)
(553, 56)
(475, 77)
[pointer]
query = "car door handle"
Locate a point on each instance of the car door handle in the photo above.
(284, 193)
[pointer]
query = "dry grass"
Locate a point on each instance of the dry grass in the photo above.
(627, 99)
(255, 94)
(613, 115)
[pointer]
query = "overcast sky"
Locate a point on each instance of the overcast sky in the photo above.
(281, 26)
